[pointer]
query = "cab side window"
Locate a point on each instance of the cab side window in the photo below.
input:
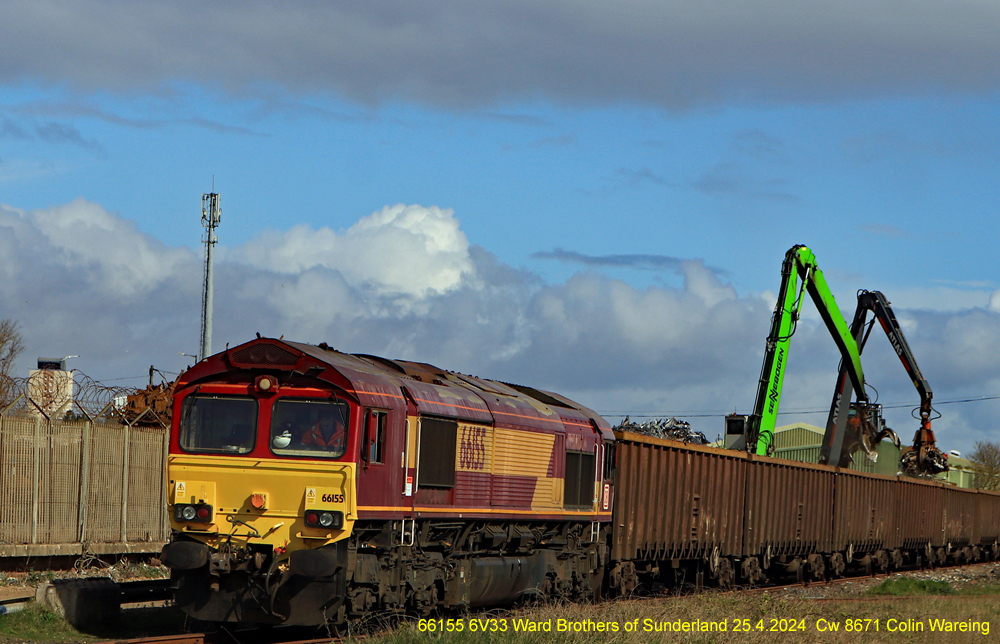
(373, 449)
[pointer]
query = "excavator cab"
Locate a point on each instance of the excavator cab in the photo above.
(736, 431)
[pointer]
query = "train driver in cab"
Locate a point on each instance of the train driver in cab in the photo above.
(328, 433)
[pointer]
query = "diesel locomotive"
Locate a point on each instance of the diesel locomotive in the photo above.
(309, 486)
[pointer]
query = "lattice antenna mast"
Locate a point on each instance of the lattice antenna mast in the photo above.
(210, 218)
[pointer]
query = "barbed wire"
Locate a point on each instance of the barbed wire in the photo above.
(68, 393)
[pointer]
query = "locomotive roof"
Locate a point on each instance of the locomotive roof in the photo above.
(384, 383)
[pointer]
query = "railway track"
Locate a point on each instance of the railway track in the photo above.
(979, 572)
(812, 592)
(225, 637)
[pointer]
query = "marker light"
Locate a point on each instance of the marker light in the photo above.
(201, 513)
(324, 519)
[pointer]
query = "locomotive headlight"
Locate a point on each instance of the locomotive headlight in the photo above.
(324, 519)
(201, 513)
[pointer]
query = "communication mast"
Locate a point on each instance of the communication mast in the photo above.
(210, 218)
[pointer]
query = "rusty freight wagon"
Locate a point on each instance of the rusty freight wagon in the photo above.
(677, 504)
(691, 514)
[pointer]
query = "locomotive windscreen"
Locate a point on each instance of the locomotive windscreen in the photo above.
(309, 427)
(226, 424)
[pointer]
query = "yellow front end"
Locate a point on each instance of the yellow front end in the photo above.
(245, 552)
(261, 501)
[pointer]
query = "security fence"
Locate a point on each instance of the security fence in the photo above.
(81, 481)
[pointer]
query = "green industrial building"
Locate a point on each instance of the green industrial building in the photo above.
(802, 442)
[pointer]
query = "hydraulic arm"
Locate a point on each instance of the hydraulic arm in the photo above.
(839, 442)
(799, 274)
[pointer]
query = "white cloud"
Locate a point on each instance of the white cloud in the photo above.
(123, 260)
(85, 281)
(399, 250)
(995, 301)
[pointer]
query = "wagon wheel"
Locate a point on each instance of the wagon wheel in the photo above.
(727, 575)
(713, 562)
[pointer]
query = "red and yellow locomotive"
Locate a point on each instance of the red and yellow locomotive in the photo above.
(310, 486)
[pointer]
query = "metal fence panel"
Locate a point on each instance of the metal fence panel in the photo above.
(58, 500)
(105, 502)
(17, 485)
(78, 485)
(146, 520)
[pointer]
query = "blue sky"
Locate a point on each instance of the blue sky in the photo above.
(877, 182)
(593, 200)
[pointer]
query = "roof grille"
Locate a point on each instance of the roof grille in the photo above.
(263, 354)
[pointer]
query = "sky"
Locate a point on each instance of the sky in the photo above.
(580, 197)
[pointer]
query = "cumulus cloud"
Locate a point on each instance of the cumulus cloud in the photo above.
(406, 250)
(405, 282)
(461, 54)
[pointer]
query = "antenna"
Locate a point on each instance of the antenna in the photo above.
(210, 218)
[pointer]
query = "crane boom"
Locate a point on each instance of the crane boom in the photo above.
(799, 273)
(923, 457)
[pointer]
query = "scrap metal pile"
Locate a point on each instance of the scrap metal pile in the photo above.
(669, 428)
(83, 397)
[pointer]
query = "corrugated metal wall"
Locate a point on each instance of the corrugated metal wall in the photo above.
(675, 500)
(80, 486)
(988, 516)
(789, 507)
(919, 513)
(864, 509)
(960, 527)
